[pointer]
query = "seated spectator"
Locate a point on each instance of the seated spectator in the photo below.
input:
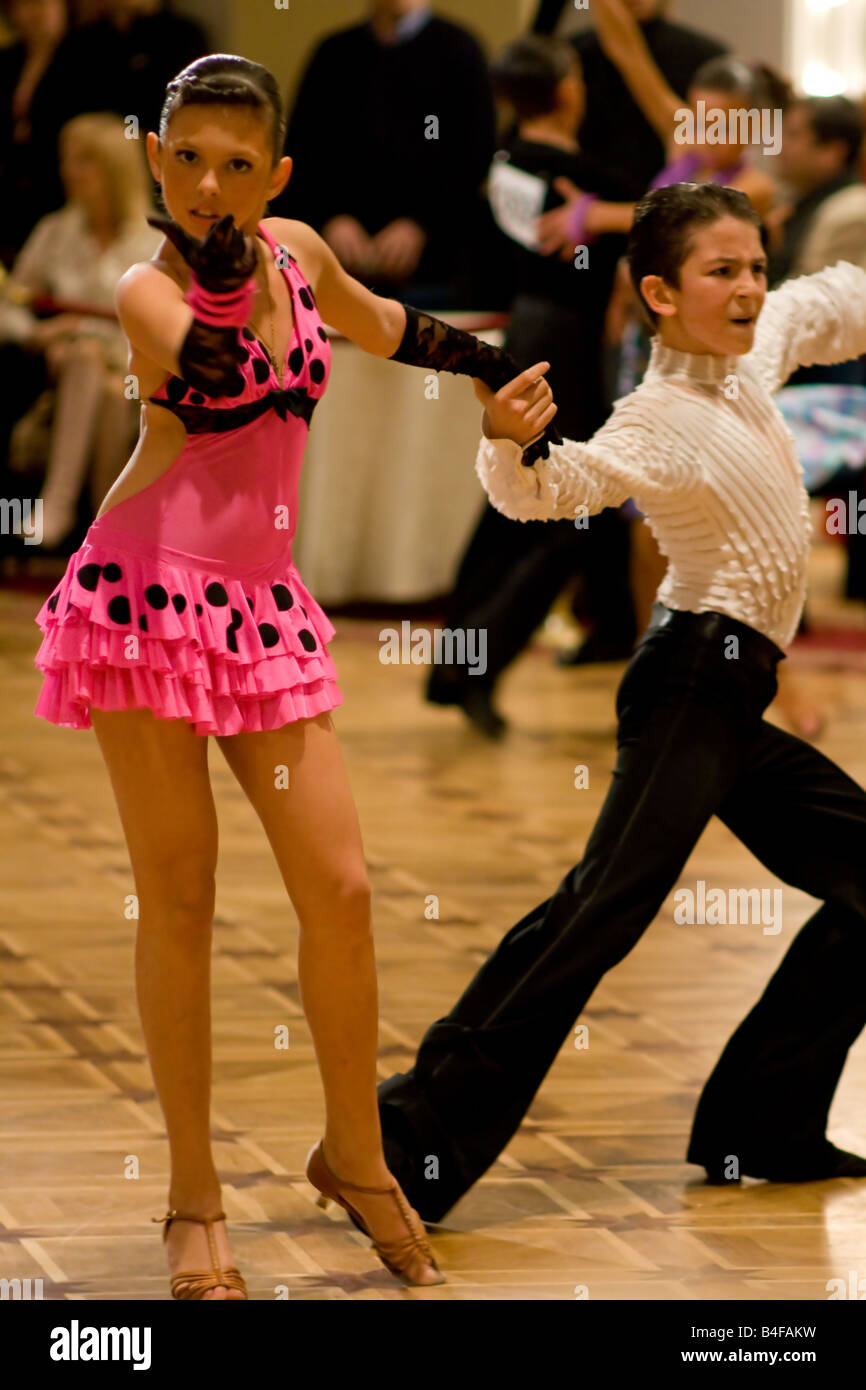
(391, 134)
(78, 254)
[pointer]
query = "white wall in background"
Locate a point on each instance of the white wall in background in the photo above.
(828, 46)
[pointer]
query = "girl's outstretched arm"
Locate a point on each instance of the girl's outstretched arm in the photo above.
(387, 328)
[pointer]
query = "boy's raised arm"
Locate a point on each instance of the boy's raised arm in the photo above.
(818, 318)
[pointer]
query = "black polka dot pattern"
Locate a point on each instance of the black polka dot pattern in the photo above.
(231, 639)
(156, 596)
(305, 296)
(216, 595)
(322, 334)
(308, 344)
(296, 360)
(88, 577)
(282, 597)
(317, 370)
(118, 609)
(235, 386)
(261, 370)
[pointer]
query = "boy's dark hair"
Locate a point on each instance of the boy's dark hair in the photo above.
(835, 118)
(660, 237)
(227, 79)
(527, 72)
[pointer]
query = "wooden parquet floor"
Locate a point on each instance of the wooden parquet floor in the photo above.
(591, 1199)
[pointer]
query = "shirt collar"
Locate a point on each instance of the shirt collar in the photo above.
(408, 26)
(701, 367)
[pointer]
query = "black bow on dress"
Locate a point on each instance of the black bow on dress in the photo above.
(204, 419)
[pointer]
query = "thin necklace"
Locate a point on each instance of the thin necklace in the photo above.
(269, 346)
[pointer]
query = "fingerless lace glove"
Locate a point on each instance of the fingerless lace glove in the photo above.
(220, 295)
(428, 342)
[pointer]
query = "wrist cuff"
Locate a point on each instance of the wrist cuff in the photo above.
(578, 219)
(227, 310)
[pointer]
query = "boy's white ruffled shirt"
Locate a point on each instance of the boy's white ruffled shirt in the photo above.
(703, 450)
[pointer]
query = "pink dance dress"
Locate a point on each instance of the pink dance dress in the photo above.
(184, 598)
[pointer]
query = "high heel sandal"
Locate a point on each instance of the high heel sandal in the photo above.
(406, 1259)
(195, 1283)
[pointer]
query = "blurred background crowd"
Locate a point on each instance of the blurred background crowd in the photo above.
(541, 148)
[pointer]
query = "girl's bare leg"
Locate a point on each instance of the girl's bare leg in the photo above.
(158, 770)
(313, 829)
(79, 395)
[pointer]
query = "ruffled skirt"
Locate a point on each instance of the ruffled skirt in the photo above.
(126, 630)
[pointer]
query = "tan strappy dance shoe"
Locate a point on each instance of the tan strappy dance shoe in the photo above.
(195, 1283)
(408, 1259)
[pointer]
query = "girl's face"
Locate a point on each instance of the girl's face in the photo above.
(723, 285)
(727, 154)
(216, 159)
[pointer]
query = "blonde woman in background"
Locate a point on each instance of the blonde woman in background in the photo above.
(78, 254)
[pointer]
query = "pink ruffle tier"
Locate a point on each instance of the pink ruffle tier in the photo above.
(183, 665)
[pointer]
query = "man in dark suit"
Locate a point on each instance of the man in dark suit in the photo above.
(391, 133)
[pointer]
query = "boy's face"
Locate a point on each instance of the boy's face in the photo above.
(723, 285)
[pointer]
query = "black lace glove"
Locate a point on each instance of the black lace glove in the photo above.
(428, 342)
(222, 262)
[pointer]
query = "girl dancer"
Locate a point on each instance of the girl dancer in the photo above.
(182, 615)
(703, 449)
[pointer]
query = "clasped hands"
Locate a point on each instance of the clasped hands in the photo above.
(393, 253)
(521, 409)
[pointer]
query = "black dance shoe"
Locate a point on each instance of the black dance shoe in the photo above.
(818, 1166)
(449, 687)
(477, 705)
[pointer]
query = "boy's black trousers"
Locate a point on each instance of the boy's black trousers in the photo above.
(691, 743)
